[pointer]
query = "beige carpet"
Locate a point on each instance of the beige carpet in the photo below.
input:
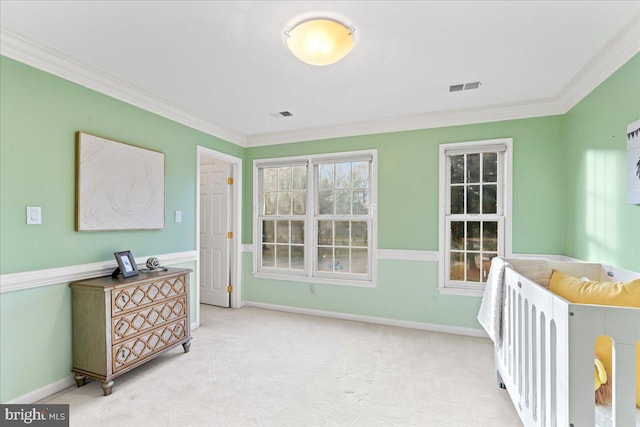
(253, 367)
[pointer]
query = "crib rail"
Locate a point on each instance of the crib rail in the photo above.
(546, 359)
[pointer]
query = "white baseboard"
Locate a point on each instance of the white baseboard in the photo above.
(55, 387)
(457, 330)
(44, 392)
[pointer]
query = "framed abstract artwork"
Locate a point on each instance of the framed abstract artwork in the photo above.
(633, 163)
(118, 186)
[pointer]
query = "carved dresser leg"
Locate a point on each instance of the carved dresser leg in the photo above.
(186, 346)
(107, 386)
(80, 380)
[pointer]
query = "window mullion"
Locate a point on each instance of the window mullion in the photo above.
(481, 265)
(465, 187)
(311, 227)
(464, 249)
(500, 187)
(481, 185)
(447, 195)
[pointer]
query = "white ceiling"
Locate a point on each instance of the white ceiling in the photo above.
(223, 66)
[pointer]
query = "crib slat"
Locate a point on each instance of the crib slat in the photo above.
(585, 324)
(625, 327)
(624, 360)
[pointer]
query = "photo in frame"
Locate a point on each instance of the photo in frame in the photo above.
(126, 264)
(633, 163)
(118, 186)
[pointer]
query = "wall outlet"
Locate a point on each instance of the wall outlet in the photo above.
(178, 216)
(312, 289)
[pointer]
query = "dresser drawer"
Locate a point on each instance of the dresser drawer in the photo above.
(135, 322)
(134, 297)
(132, 351)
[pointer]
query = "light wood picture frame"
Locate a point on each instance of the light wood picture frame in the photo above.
(118, 186)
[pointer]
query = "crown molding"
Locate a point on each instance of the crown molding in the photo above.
(622, 47)
(45, 58)
(613, 55)
(542, 107)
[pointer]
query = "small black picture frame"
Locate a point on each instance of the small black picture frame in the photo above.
(126, 264)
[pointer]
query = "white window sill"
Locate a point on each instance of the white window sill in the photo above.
(317, 280)
(465, 292)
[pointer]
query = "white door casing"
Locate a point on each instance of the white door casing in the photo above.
(214, 226)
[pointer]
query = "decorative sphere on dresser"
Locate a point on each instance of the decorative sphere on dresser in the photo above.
(153, 263)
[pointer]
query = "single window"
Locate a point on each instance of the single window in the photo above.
(325, 233)
(474, 211)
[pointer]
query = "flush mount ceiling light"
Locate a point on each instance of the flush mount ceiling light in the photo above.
(320, 41)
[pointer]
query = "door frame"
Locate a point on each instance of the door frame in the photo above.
(235, 204)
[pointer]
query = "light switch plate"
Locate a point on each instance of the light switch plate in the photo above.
(178, 216)
(34, 215)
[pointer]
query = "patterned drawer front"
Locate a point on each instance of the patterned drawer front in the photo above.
(137, 296)
(130, 352)
(148, 318)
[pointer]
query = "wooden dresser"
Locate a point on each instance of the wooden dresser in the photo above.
(119, 324)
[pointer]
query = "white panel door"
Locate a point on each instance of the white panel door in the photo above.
(214, 226)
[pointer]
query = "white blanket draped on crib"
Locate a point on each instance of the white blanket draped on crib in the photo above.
(492, 306)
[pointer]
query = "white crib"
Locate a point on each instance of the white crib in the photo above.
(546, 358)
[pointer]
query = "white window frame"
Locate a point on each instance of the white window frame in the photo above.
(310, 274)
(503, 216)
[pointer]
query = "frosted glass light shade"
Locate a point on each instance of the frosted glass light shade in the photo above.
(320, 41)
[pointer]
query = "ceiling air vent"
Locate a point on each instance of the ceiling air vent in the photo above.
(464, 86)
(281, 114)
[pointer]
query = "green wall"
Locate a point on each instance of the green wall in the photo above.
(408, 180)
(600, 225)
(39, 116)
(408, 218)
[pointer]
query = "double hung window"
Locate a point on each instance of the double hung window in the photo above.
(315, 218)
(474, 210)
